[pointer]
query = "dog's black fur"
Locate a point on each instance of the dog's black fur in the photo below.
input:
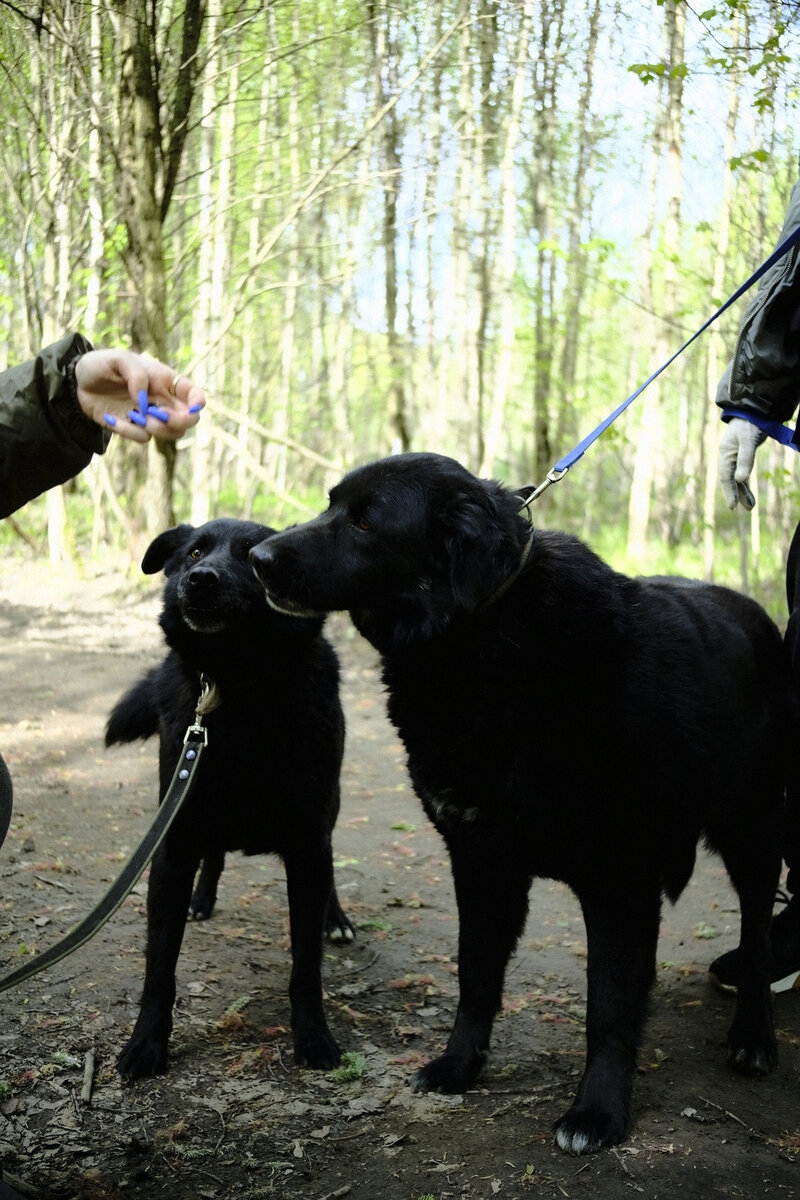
(561, 720)
(269, 778)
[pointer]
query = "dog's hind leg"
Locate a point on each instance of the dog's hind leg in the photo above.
(622, 932)
(753, 864)
(204, 897)
(492, 897)
(337, 925)
(171, 877)
(309, 883)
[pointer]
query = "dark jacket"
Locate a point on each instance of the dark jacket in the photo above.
(45, 437)
(764, 374)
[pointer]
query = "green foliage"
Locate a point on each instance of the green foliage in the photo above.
(298, 335)
(353, 1066)
(752, 161)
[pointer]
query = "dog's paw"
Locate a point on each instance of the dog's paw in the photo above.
(316, 1049)
(143, 1056)
(449, 1074)
(339, 929)
(584, 1130)
(752, 1056)
(337, 926)
(201, 907)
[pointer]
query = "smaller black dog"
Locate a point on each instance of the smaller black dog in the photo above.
(269, 779)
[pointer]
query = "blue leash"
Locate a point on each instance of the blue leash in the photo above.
(773, 428)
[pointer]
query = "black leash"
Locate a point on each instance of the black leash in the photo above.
(194, 742)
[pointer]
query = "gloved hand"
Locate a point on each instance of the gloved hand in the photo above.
(737, 452)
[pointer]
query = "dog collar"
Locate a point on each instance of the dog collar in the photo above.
(510, 579)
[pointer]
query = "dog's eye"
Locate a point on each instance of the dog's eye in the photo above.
(363, 523)
(196, 553)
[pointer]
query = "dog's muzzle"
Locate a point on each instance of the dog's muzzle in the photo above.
(262, 559)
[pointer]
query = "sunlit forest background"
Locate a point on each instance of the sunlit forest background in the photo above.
(469, 226)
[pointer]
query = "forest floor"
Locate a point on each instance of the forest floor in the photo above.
(234, 1117)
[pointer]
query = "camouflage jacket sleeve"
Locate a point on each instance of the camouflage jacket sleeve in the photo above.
(45, 438)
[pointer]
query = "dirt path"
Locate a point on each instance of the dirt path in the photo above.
(234, 1117)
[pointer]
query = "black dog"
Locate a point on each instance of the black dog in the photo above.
(269, 778)
(561, 720)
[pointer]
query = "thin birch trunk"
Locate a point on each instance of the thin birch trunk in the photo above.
(246, 387)
(507, 247)
(452, 380)
(282, 413)
(714, 344)
(203, 326)
(650, 439)
(578, 221)
(385, 82)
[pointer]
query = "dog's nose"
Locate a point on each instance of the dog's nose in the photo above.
(202, 577)
(262, 556)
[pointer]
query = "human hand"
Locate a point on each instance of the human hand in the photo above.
(136, 396)
(737, 452)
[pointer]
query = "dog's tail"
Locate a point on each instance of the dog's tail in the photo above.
(135, 715)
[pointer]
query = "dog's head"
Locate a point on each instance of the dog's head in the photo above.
(406, 544)
(210, 586)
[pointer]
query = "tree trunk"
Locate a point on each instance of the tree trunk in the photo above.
(147, 167)
(384, 64)
(507, 249)
(204, 329)
(452, 316)
(578, 221)
(650, 443)
(714, 357)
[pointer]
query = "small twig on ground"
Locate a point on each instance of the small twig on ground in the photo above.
(53, 883)
(732, 1116)
(365, 967)
(342, 1191)
(620, 1160)
(88, 1077)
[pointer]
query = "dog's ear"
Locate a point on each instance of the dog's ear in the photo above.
(478, 547)
(163, 547)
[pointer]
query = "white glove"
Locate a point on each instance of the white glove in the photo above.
(737, 453)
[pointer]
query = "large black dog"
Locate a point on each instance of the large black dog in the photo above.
(561, 720)
(268, 780)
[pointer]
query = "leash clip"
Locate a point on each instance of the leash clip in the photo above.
(208, 700)
(553, 476)
(196, 733)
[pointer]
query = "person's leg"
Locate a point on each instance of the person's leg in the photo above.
(791, 849)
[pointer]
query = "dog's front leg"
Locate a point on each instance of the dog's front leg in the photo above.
(309, 883)
(492, 898)
(168, 893)
(622, 931)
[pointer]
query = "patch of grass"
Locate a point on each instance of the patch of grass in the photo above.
(353, 1066)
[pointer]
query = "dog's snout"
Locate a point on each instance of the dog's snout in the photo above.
(262, 556)
(202, 577)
